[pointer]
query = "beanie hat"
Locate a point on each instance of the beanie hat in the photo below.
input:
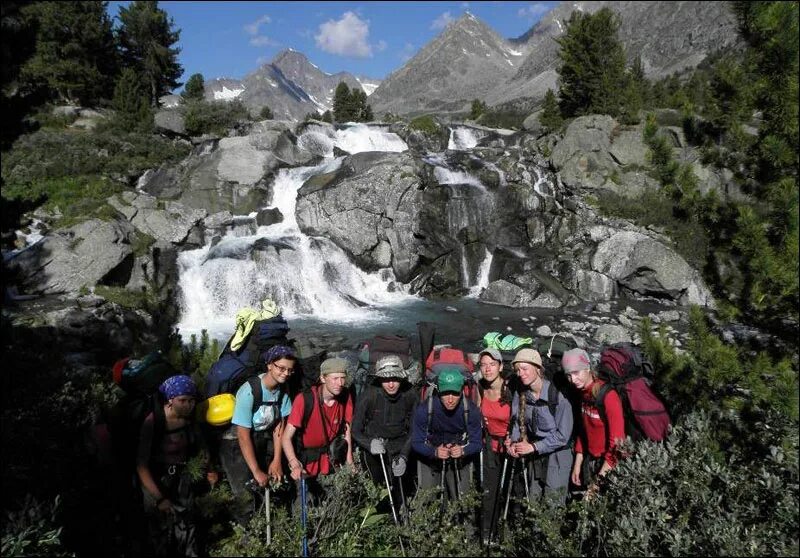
(333, 366)
(175, 386)
(575, 360)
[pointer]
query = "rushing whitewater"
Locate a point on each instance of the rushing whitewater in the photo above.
(463, 138)
(306, 276)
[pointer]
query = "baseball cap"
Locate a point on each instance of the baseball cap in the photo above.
(494, 353)
(450, 379)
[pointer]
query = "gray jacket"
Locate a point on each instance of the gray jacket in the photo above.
(550, 434)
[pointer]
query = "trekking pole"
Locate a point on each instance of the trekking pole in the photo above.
(391, 501)
(303, 514)
(457, 475)
(498, 496)
(444, 472)
(525, 477)
(510, 487)
(267, 513)
(403, 497)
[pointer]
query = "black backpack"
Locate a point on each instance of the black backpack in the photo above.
(374, 349)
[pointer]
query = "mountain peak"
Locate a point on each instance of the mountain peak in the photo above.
(289, 54)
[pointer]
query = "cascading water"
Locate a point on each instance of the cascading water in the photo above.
(306, 276)
(463, 138)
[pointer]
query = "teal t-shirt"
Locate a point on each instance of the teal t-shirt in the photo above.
(265, 416)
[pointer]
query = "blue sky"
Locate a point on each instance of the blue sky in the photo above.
(232, 39)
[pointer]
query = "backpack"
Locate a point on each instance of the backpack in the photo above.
(233, 368)
(508, 346)
(625, 369)
(447, 355)
(139, 379)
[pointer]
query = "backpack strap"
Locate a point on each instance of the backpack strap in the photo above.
(430, 415)
(465, 403)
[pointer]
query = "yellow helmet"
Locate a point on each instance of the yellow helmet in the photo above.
(217, 410)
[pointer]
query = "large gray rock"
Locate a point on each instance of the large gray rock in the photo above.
(506, 294)
(171, 224)
(79, 256)
(582, 157)
(371, 201)
(170, 121)
(647, 267)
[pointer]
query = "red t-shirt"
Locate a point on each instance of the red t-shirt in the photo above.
(497, 415)
(599, 443)
(313, 434)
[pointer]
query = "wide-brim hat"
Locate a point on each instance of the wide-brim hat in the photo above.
(530, 356)
(390, 366)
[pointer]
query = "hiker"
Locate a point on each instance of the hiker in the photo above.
(600, 433)
(446, 434)
(322, 416)
(251, 447)
(496, 412)
(541, 422)
(382, 426)
(164, 450)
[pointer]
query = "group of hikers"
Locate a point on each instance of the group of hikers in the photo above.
(511, 435)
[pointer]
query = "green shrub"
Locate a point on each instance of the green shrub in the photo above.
(425, 124)
(72, 153)
(215, 117)
(266, 113)
(33, 530)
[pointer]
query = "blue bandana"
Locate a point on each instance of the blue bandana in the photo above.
(175, 386)
(278, 352)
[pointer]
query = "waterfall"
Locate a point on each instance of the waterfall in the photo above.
(355, 138)
(306, 276)
(462, 138)
(446, 176)
(483, 276)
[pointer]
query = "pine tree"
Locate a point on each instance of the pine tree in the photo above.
(75, 56)
(550, 117)
(592, 70)
(328, 117)
(477, 109)
(146, 38)
(342, 104)
(131, 104)
(195, 88)
(266, 113)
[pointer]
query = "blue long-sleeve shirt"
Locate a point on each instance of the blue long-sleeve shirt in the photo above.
(447, 427)
(547, 432)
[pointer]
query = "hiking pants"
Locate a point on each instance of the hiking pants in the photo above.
(172, 534)
(373, 466)
(493, 494)
(548, 476)
(430, 475)
(238, 474)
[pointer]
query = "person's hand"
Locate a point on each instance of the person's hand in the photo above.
(261, 478)
(511, 448)
(275, 471)
(399, 466)
(443, 452)
(376, 446)
(164, 505)
(297, 469)
(213, 478)
(575, 477)
(456, 451)
(523, 448)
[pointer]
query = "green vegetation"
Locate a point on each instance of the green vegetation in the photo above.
(265, 113)
(213, 117)
(131, 106)
(194, 89)
(425, 124)
(550, 119)
(146, 38)
(351, 105)
(477, 109)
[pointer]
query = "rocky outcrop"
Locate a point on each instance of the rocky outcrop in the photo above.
(370, 202)
(172, 223)
(81, 256)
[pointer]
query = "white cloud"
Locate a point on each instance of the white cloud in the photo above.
(263, 41)
(534, 11)
(346, 37)
(252, 28)
(442, 21)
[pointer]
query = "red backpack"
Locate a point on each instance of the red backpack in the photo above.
(625, 369)
(446, 355)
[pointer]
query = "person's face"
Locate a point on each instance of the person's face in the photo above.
(281, 369)
(334, 382)
(581, 378)
(390, 385)
(183, 405)
(450, 399)
(490, 368)
(527, 372)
